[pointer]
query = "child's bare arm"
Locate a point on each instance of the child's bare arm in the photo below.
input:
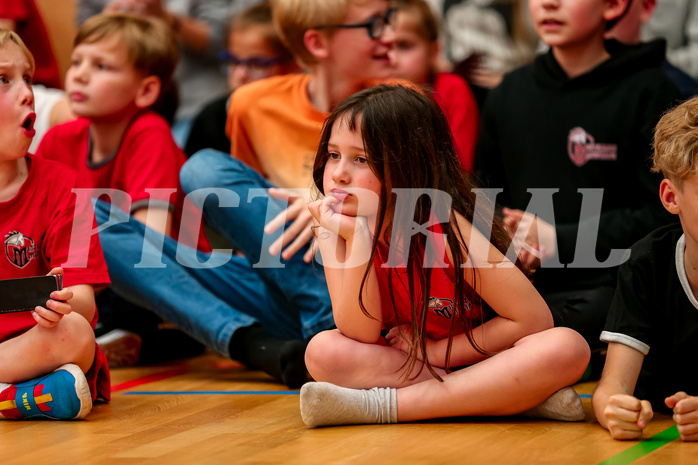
(158, 219)
(344, 243)
(685, 409)
(520, 309)
(79, 298)
(83, 301)
(623, 415)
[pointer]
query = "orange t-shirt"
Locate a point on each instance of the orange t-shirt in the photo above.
(275, 129)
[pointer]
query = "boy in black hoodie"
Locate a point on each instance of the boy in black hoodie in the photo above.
(568, 139)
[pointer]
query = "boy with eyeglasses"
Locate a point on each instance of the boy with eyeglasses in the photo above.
(261, 309)
(255, 52)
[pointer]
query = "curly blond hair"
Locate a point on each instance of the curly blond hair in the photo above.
(676, 142)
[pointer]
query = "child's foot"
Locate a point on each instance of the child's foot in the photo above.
(564, 405)
(60, 395)
(122, 348)
(283, 360)
(292, 364)
(324, 404)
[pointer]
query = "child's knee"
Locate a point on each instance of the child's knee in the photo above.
(569, 349)
(74, 339)
(323, 353)
(202, 170)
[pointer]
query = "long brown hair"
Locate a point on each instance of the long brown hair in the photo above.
(409, 146)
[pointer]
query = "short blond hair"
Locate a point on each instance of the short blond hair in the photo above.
(676, 142)
(293, 17)
(150, 44)
(7, 35)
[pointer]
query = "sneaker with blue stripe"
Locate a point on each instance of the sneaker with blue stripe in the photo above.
(61, 395)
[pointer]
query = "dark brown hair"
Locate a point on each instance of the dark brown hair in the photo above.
(409, 146)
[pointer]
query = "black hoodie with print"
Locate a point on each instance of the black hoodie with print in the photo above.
(574, 137)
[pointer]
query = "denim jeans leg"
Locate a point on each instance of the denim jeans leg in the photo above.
(188, 297)
(294, 284)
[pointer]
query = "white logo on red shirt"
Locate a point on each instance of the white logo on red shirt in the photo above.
(581, 148)
(20, 249)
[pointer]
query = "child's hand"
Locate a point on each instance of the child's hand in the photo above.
(540, 243)
(49, 316)
(326, 213)
(298, 234)
(627, 416)
(401, 340)
(685, 409)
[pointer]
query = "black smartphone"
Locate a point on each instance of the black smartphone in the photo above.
(24, 294)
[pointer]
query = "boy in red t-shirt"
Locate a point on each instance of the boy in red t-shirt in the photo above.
(53, 346)
(121, 63)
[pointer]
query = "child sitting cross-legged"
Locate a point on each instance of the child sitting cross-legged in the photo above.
(50, 365)
(433, 325)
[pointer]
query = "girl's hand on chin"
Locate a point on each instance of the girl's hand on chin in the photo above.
(333, 220)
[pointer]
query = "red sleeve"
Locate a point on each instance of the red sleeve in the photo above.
(458, 103)
(59, 238)
(149, 159)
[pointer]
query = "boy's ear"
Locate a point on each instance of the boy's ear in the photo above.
(615, 9)
(317, 43)
(648, 7)
(667, 194)
(148, 92)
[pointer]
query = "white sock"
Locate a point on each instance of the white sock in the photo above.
(324, 404)
(564, 405)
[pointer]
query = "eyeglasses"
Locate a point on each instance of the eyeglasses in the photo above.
(256, 66)
(251, 62)
(374, 26)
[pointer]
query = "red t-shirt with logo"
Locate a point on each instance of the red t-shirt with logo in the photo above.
(36, 227)
(148, 158)
(441, 308)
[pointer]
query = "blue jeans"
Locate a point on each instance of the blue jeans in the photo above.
(289, 300)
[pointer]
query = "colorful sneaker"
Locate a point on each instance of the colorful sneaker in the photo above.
(60, 395)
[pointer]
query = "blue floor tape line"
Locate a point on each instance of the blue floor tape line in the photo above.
(210, 393)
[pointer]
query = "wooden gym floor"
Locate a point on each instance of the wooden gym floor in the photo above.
(208, 410)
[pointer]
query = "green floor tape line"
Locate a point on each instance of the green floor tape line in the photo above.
(643, 448)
